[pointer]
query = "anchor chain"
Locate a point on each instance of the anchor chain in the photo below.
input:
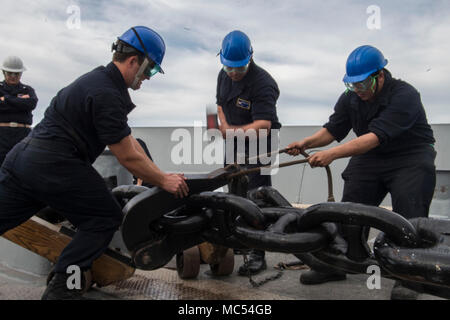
(416, 251)
(270, 227)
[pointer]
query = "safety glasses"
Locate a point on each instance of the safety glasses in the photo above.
(236, 69)
(152, 69)
(368, 83)
(148, 68)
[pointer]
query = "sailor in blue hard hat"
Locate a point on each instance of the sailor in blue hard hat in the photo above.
(151, 49)
(246, 100)
(393, 151)
(53, 165)
(236, 54)
(364, 73)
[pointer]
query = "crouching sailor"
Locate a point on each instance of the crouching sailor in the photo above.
(52, 166)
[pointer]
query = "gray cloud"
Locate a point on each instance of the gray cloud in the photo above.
(303, 44)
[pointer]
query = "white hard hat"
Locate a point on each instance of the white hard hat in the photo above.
(13, 64)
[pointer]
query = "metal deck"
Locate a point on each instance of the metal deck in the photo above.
(164, 284)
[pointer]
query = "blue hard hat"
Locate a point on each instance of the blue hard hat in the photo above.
(362, 62)
(150, 43)
(236, 50)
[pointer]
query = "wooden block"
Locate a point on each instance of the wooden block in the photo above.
(107, 270)
(44, 238)
(212, 253)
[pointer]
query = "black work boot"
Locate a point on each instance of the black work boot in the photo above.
(57, 289)
(399, 292)
(315, 277)
(256, 264)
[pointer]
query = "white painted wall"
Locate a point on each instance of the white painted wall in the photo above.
(298, 183)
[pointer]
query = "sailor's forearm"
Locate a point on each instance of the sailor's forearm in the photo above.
(356, 146)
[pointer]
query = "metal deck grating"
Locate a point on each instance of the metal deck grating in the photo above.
(164, 284)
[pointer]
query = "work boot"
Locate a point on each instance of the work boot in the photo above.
(256, 264)
(57, 289)
(399, 292)
(315, 277)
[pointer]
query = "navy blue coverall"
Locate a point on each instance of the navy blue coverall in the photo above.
(243, 102)
(51, 168)
(403, 163)
(15, 109)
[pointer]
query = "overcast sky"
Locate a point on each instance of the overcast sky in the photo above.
(302, 44)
